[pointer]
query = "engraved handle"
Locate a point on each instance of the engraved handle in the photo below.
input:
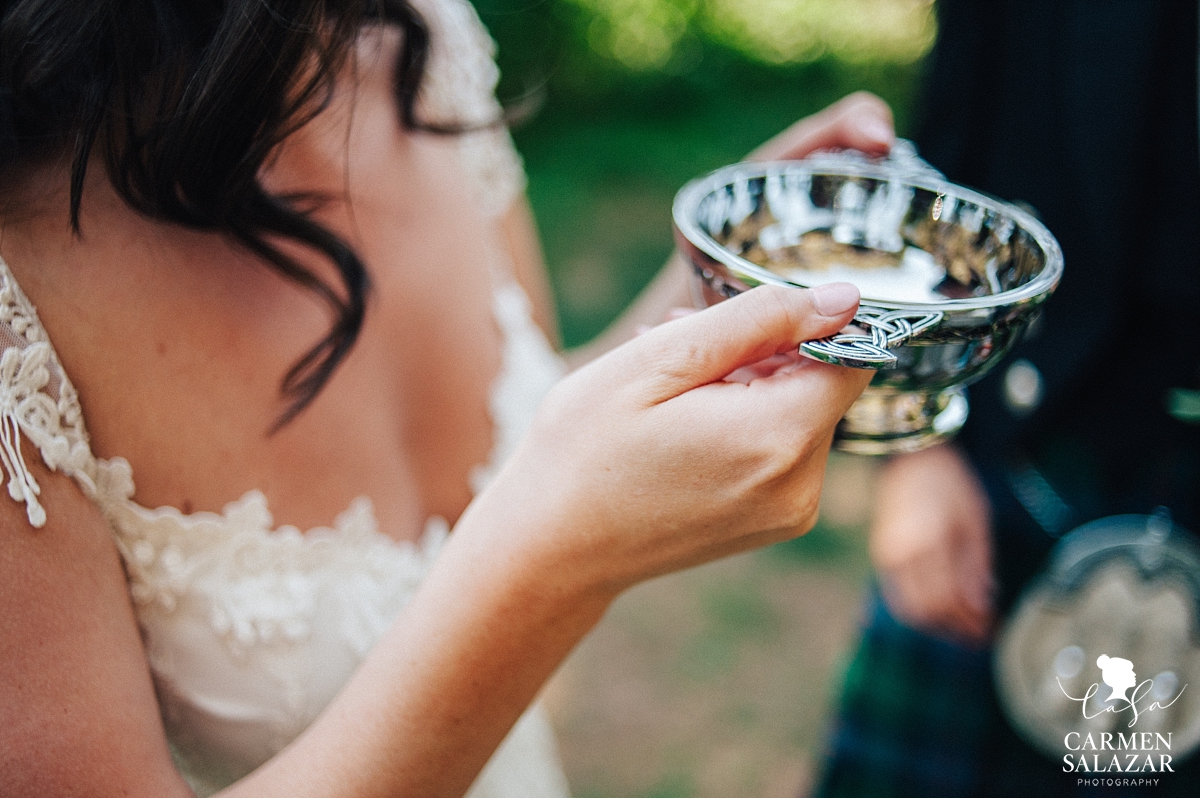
(882, 330)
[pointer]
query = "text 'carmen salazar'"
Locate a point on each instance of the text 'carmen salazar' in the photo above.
(1136, 752)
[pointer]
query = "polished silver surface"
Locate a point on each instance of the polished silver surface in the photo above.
(950, 278)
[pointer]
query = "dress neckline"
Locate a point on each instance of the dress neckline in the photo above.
(510, 307)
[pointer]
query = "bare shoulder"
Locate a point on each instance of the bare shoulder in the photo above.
(78, 708)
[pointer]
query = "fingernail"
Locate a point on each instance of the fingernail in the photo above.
(875, 129)
(834, 299)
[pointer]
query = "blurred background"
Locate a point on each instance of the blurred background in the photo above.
(716, 682)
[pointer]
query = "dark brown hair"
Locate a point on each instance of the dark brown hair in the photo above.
(182, 101)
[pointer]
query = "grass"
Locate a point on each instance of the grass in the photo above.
(716, 682)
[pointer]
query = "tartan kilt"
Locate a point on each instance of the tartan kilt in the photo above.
(919, 716)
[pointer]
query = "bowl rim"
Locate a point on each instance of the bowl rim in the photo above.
(688, 199)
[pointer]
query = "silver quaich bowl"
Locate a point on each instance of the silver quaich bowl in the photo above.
(950, 278)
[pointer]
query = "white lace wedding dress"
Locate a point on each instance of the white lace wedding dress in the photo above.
(250, 630)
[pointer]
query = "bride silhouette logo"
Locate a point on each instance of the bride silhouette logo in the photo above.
(1120, 677)
(1117, 674)
(1121, 752)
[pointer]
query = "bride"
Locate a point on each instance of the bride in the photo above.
(285, 279)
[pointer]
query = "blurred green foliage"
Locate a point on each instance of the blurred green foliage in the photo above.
(616, 125)
(827, 544)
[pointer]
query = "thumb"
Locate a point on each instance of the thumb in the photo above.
(707, 346)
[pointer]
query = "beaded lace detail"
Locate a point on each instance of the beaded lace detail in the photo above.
(459, 88)
(38, 400)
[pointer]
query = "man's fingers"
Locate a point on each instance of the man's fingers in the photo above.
(976, 590)
(860, 121)
(978, 583)
(975, 601)
(969, 626)
(928, 595)
(707, 346)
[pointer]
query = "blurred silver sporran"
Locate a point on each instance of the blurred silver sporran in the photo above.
(950, 278)
(1106, 643)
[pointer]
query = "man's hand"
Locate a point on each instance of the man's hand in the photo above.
(859, 121)
(931, 544)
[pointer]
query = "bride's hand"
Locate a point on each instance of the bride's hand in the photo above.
(648, 461)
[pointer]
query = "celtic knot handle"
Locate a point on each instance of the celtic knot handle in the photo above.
(884, 330)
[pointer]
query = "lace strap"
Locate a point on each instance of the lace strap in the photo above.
(36, 399)
(459, 87)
